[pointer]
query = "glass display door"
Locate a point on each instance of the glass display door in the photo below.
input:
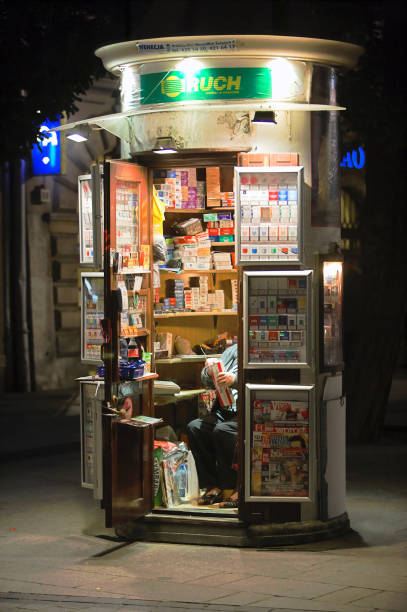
(127, 346)
(277, 319)
(279, 444)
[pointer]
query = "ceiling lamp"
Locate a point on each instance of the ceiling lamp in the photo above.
(165, 145)
(264, 117)
(79, 135)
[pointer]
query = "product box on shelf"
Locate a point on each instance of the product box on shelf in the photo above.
(284, 159)
(254, 159)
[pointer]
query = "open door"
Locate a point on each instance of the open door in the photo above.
(128, 463)
(127, 449)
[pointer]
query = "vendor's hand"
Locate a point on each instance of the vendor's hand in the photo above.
(225, 379)
(209, 365)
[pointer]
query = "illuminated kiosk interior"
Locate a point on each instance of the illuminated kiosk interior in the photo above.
(252, 123)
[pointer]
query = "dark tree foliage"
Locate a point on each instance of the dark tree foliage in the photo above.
(48, 62)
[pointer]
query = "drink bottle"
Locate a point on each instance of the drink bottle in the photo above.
(181, 479)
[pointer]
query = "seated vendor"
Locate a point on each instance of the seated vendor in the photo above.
(212, 439)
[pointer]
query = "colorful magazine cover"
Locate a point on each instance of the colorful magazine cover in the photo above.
(280, 448)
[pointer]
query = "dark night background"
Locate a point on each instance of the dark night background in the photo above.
(48, 62)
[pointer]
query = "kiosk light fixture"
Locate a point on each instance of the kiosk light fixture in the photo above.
(79, 135)
(264, 117)
(165, 145)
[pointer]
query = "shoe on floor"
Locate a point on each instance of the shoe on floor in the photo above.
(211, 496)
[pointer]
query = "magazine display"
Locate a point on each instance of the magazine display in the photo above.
(280, 448)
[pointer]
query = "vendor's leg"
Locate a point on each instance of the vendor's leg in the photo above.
(201, 443)
(224, 436)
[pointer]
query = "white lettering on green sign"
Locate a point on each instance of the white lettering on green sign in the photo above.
(205, 84)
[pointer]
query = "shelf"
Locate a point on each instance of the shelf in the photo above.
(146, 377)
(184, 272)
(133, 271)
(170, 315)
(200, 210)
(140, 332)
(220, 209)
(99, 379)
(222, 244)
(186, 359)
(184, 211)
(162, 400)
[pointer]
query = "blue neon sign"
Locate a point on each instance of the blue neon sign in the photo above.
(47, 160)
(355, 159)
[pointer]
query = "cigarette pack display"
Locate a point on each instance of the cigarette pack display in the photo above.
(284, 307)
(269, 199)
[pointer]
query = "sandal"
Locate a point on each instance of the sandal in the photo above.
(210, 497)
(230, 502)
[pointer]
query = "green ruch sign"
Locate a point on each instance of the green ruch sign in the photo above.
(205, 84)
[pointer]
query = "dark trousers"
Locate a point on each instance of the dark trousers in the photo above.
(213, 446)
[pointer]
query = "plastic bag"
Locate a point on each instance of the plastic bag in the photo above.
(160, 252)
(158, 214)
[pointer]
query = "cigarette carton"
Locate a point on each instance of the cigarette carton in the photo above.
(225, 396)
(254, 159)
(292, 233)
(292, 321)
(226, 238)
(283, 232)
(213, 183)
(263, 323)
(271, 304)
(253, 322)
(262, 304)
(284, 159)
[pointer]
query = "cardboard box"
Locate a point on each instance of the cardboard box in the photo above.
(213, 183)
(284, 159)
(253, 159)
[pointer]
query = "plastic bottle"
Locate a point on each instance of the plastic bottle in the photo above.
(181, 479)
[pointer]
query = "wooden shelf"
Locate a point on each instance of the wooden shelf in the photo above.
(140, 332)
(222, 244)
(146, 377)
(208, 313)
(162, 400)
(184, 272)
(185, 359)
(184, 211)
(200, 210)
(220, 209)
(133, 271)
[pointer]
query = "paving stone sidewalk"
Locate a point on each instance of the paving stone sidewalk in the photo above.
(56, 554)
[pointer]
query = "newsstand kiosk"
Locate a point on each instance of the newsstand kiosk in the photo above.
(221, 224)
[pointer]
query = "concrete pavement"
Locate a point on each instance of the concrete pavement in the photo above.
(56, 554)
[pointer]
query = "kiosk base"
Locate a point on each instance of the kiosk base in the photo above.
(230, 531)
